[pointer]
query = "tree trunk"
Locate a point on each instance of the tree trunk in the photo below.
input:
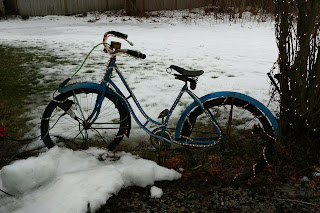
(298, 36)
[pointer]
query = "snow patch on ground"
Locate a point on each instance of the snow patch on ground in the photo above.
(156, 192)
(62, 180)
(234, 56)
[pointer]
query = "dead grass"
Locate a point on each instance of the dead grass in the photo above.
(240, 6)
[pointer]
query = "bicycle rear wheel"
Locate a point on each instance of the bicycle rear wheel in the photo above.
(248, 136)
(59, 125)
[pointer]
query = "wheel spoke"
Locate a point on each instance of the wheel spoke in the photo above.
(77, 102)
(109, 127)
(245, 129)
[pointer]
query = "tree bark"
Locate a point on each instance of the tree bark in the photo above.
(298, 35)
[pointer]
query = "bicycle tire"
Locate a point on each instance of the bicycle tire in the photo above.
(253, 146)
(57, 126)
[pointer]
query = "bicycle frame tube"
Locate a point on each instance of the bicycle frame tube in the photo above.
(103, 88)
(198, 102)
(97, 106)
(112, 66)
(107, 80)
(210, 116)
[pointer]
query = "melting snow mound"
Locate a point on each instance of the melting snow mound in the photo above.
(62, 180)
(156, 192)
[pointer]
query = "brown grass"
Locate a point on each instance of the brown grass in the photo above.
(236, 9)
(240, 6)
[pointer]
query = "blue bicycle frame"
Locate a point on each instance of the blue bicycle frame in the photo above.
(108, 86)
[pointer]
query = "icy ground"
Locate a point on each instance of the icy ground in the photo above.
(234, 56)
(62, 180)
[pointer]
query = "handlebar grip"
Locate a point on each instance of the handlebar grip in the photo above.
(118, 34)
(136, 54)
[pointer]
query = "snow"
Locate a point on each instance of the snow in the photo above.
(156, 192)
(234, 56)
(62, 180)
(304, 179)
(23, 176)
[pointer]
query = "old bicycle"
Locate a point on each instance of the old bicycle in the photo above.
(86, 112)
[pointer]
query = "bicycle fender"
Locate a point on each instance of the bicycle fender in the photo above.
(80, 85)
(241, 96)
(96, 86)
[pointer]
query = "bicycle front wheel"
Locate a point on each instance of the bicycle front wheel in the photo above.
(66, 120)
(248, 136)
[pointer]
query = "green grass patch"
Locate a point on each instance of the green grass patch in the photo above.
(20, 87)
(20, 84)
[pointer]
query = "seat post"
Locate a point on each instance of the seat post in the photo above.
(186, 85)
(114, 58)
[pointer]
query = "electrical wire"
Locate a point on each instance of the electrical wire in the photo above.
(85, 59)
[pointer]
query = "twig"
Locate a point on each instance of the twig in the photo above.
(298, 201)
(6, 193)
(197, 167)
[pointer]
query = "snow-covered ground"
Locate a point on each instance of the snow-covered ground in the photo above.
(62, 180)
(234, 56)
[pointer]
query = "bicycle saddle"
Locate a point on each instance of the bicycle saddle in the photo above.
(187, 73)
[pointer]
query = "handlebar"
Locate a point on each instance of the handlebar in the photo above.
(118, 34)
(110, 51)
(136, 54)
